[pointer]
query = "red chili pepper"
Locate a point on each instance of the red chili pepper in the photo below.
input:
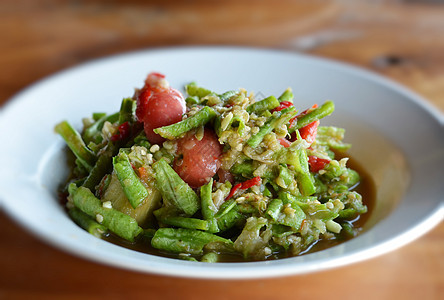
(303, 224)
(251, 182)
(284, 142)
(316, 163)
(233, 191)
(244, 185)
(282, 105)
(309, 131)
(123, 132)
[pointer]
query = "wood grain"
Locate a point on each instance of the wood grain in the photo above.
(402, 41)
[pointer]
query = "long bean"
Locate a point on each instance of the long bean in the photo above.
(102, 167)
(184, 222)
(93, 133)
(193, 89)
(74, 141)
(287, 95)
(127, 109)
(208, 207)
(210, 257)
(274, 208)
(182, 240)
(133, 188)
(175, 192)
(87, 223)
(263, 105)
(116, 221)
(175, 130)
(316, 114)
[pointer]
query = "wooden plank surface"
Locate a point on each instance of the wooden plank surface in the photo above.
(402, 40)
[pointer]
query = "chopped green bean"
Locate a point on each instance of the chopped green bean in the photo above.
(208, 207)
(182, 240)
(183, 222)
(102, 167)
(175, 192)
(116, 221)
(265, 104)
(74, 141)
(87, 223)
(127, 109)
(210, 257)
(94, 132)
(193, 90)
(134, 190)
(316, 114)
(175, 130)
(287, 95)
(274, 208)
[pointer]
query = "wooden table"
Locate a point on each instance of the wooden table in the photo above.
(402, 41)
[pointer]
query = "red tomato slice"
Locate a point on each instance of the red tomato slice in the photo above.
(163, 108)
(316, 163)
(200, 159)
(309, 131)
(158, 105)
(284, 142)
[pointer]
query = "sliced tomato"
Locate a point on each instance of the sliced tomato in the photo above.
(163, 108)
(158, 105)
(199, 160)
(284, 142)
(316, 163)
(309, 131)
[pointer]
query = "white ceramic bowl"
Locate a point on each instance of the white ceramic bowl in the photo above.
(396, 137)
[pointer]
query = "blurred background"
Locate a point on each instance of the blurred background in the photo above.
(400, 39)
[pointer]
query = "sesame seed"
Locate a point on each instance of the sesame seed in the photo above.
(107, 204)
(99, 218)
(154, 148)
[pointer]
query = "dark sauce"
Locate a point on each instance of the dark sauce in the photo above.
(365, 187)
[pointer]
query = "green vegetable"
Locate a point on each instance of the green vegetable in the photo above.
(316, 114)
(264, 198)
(87, 223)
(127, 110)
(172, 131)
(210, 257)
(265, 104)
(195, 91)
(287, 95)
(277, 119)
(208, 207)
(184, 240)
(94, 132)
(117, 222)
(175, 192)
(134, 190)
(74, 141)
